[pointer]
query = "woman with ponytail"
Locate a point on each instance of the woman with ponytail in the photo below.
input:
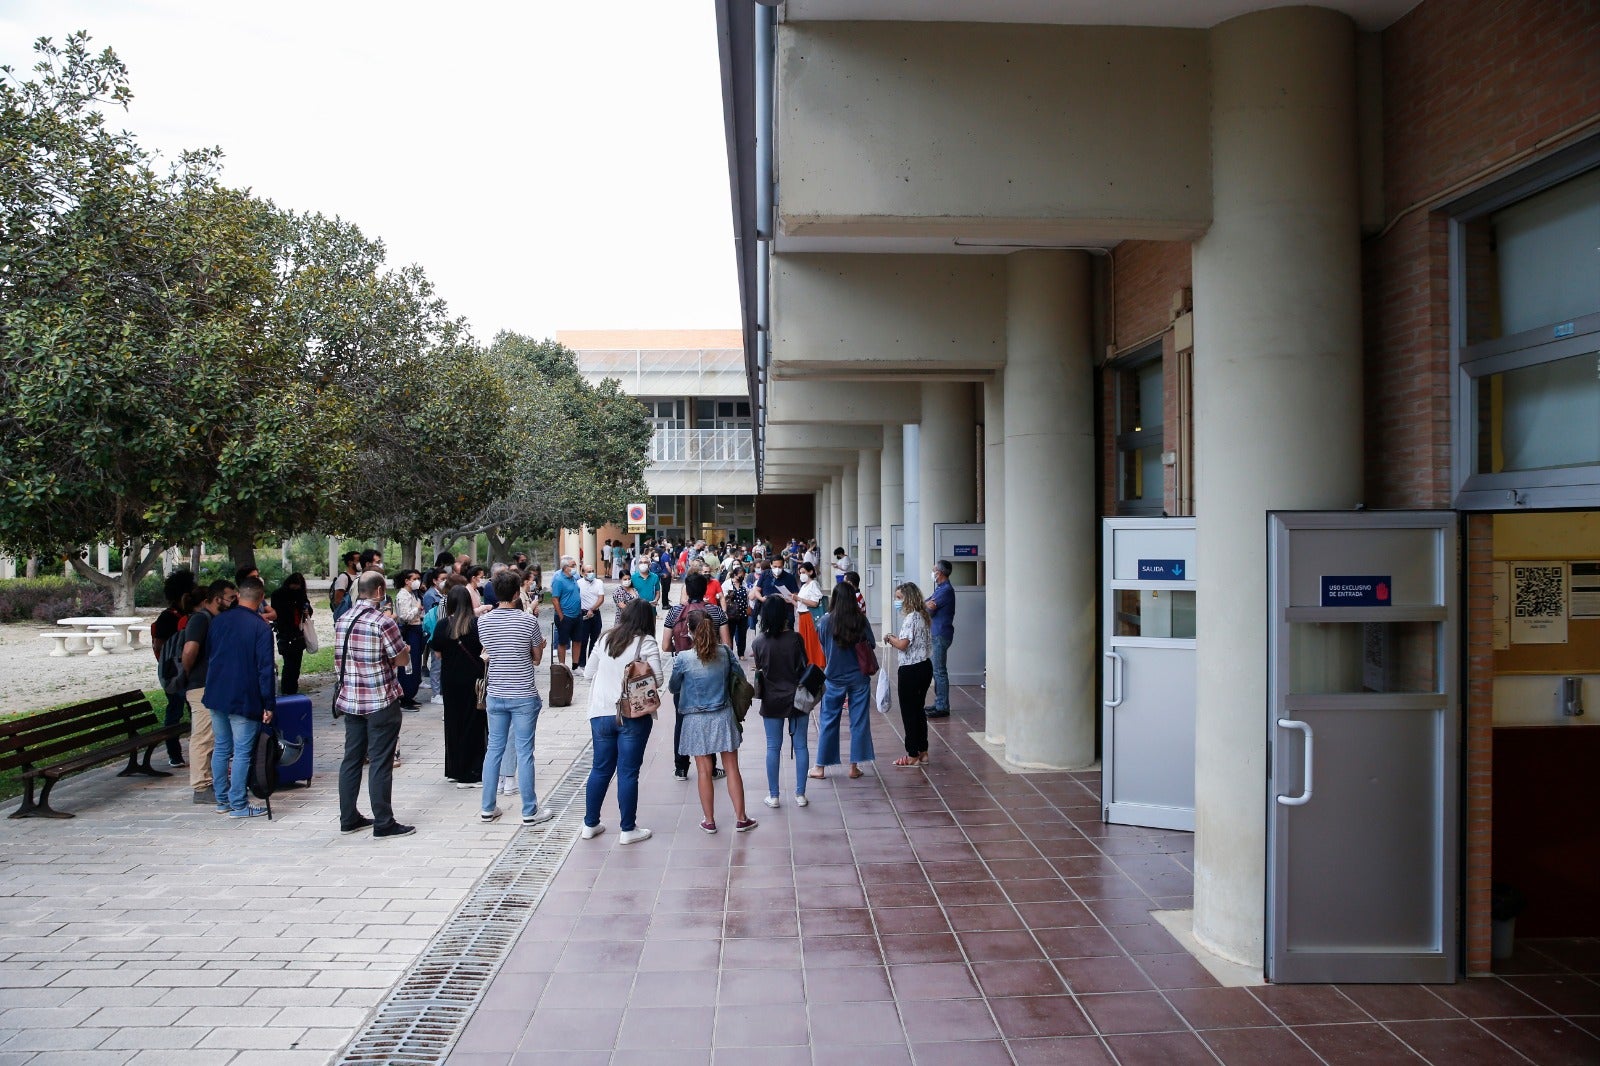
(701, 680)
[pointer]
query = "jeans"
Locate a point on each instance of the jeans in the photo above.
(833, 697)
(411, 675)
(740, 629)
(776, 728)
(435, 664)
(515, 719)
(173, 715)
(234, 738)
(618, 750)
(941, 676)
(372, 737)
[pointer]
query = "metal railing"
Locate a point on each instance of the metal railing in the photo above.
(687, 372)
(706, 449)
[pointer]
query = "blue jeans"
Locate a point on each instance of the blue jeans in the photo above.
(517, 718)
(833, 697)
(235, 738)
(776, 728)
(941, 676)
(619, 751)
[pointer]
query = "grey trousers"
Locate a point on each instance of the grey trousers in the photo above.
(372, 737)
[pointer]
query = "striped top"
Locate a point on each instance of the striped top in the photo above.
(511, 637)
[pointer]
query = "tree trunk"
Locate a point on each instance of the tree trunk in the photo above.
(138, 559)
(243, 553)
(408, 555)
(33, 566)
(498, 546)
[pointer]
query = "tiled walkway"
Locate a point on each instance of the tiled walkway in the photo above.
(962, 916)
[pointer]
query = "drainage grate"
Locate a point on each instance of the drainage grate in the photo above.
(423, 1016)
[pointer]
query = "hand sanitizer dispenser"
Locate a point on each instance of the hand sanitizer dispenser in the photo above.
(1570, 696)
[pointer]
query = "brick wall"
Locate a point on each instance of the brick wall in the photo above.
(1468, 84)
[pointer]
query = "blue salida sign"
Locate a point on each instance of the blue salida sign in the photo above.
(1162, 570)
(1372, 590)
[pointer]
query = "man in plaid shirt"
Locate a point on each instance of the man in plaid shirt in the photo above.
(368, 649)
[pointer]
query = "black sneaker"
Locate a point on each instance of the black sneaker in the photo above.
(681, 775)
(934, 712)
(410, 705)
(361, 822)
(717, 773)
(394, 829)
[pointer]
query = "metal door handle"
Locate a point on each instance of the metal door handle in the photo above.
(1305, 796)
(1116, 680)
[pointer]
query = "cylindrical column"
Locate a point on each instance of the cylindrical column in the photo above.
(949, 454)
(1050, 485)
(870, 515)
(911, 440)
(849, 510)
(824, 509)
(994, 526)
(334, 569)
(835, 528)
(1277, 402)
(892, 498)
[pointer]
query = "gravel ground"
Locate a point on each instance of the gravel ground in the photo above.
(30, 679)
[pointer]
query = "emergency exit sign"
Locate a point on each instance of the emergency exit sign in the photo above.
(1369, 590)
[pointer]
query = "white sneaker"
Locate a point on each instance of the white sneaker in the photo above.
(508, 786)
(539, 817)
(801, 801)
(771, 801)
(438, 700)
(468, 784)
(592, 831)
(633, 836)
(489, 816)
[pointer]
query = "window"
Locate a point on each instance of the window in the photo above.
(1525, 272)
(1140, 412)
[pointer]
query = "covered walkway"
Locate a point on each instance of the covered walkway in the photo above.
(962, 915)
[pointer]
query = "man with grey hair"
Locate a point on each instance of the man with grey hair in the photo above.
(568, 599)
(368, 650)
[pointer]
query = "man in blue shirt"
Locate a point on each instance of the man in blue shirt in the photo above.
(772, 580)
(942, 610)
(568, 598)
(239, 693)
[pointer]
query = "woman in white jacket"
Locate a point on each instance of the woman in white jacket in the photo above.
(619, 743)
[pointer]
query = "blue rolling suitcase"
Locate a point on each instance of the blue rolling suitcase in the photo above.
(293, 722)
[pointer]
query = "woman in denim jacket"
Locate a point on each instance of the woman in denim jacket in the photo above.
(700, 679)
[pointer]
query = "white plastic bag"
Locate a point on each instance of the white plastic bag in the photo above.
(883, 690)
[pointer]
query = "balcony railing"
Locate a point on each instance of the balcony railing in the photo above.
(704, 449)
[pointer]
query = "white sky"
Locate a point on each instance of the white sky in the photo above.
(552, 164)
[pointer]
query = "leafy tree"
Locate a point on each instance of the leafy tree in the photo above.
(579, 450)
(132, 338)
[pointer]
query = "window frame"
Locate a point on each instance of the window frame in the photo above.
(1561, 487)
(1125, 370)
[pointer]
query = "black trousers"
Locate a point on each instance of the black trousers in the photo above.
(289, 682)
(373, 737)
(913, 683)
(741, 629)
(666, 591)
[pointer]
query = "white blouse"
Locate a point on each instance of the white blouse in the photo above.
(605, 673)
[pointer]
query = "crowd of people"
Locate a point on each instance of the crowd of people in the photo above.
(473, 634)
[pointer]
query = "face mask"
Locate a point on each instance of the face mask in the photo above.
(899, 604)
(935, 576)
(413, 585)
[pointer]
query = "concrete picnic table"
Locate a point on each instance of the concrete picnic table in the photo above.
(116, 628)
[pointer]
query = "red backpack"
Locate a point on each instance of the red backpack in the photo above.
(682, 639)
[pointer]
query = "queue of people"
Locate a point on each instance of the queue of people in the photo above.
(474, 636)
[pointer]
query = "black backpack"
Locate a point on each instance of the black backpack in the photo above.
(560, 686)
(264, 760)
(169, 667)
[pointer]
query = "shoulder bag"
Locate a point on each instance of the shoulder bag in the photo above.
(866, 659)
(740, 692)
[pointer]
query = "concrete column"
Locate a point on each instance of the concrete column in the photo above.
(1277, 402)
(835, 526)
(102, 558)
(824, 510)
(994, 526)
(949, 459)
(8, 568)
(849, 514)
(892, 498)
(591, 549)
(334, 569)
(911, 438)
(1050, 484)
(869, 513)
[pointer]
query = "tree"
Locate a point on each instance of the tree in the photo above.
(579, 450)
(132, 335)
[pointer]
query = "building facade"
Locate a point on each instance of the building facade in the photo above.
(1040, 266)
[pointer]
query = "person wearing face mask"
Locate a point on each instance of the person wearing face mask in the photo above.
(291, 608)
(591, 595)
(408, 615)
(568, 601)
(808, 610)
(915, 644)
(663, 570)
(644, 581)
(942, 624)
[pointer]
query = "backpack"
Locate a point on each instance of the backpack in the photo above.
(334, 587)
(738, 604)
(682, 639)
(740, 692)
(430, 621)
(264, 760)
(169, 667)
(560, 685)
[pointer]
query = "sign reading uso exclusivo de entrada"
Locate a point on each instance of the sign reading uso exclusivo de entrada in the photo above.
(1357, 591)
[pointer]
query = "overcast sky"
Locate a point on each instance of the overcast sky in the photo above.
(552, 164)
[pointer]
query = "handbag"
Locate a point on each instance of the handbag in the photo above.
(866, 659)
(807, 692)
(480, 687)
(308, 633)
(641, 695)
(740, 692)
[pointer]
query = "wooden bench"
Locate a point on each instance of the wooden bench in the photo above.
(50, 745)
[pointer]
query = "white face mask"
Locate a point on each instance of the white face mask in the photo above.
(413, 585)
(935, 576)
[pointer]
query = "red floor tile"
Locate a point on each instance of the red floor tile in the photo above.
(1062, 1051)
(1259, 1047)
(1039, 1016)
(1160, 1049)
(933, 981)
(948, 1019)
(1131, 1012)
(1219, 1008)
(1547, 1041)
(1357, 1044)
(1453, 1043)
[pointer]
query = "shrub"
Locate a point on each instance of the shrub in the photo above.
(23, 594)
(83, 600)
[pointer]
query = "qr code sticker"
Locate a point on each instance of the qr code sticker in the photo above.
(1539, 591)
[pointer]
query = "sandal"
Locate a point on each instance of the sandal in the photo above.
(818, 773)
(908, 760)
(855, 772)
